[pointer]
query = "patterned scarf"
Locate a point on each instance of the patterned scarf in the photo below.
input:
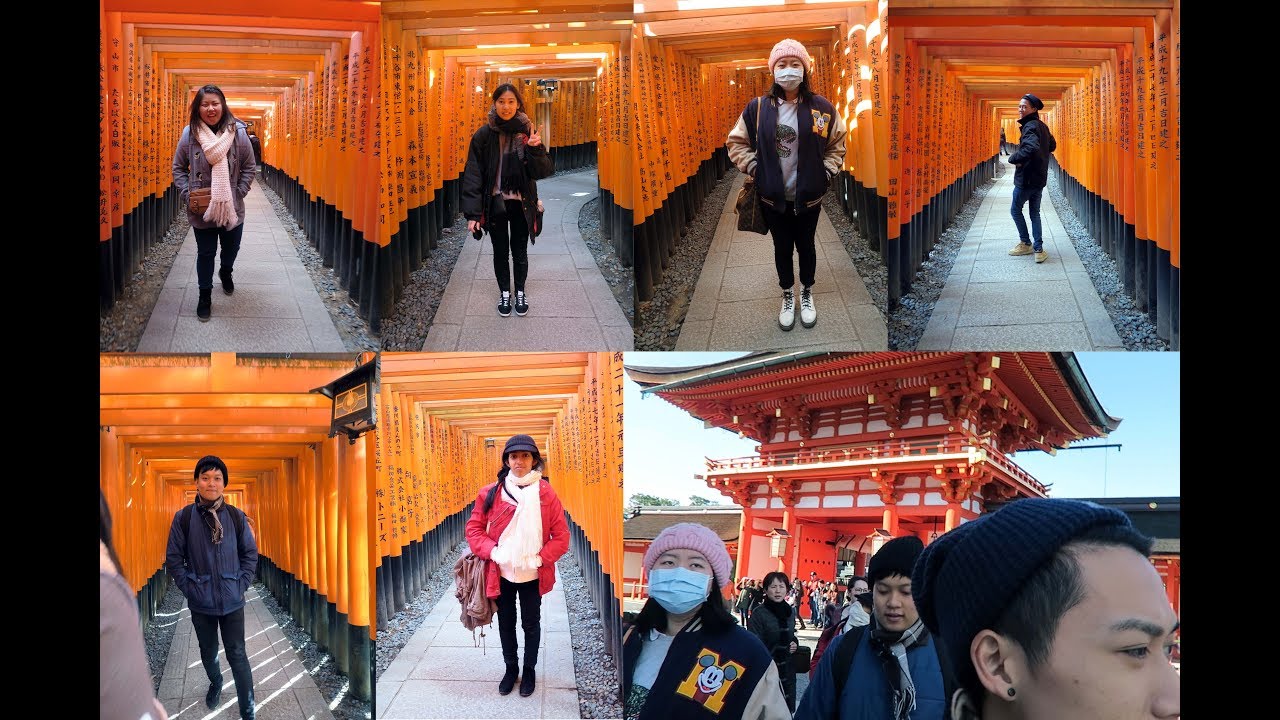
(210, 510)
(222, 208)
(511, 145)
(891, 648)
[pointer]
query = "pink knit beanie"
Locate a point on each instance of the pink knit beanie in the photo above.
(692, 536)
(790, 48)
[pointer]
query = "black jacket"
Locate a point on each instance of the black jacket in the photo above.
(482, 169)
(812, 179)
(777, 635)
(1032, 155)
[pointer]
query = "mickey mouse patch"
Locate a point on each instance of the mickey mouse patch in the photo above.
(821, 122)
(708, 682)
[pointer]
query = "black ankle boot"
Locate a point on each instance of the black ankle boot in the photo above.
(509, 680)
(228, 286)
(206, 303)
(527, 682)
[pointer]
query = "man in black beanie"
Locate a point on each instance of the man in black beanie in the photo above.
(897, 673)
(1032, 160)
(213, 559)
(1050, 609)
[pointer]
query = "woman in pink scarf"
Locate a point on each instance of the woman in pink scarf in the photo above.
(214, 153)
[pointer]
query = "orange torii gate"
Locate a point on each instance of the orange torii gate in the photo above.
(1109, 76)
(297, 70)
(441, 63)
(693, 73)
(306, 494)
(443, 420)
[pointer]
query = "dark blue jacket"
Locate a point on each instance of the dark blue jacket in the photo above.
(1032, 155)
(731, 663)
(812, 179)
(213, 578)
(867, 692)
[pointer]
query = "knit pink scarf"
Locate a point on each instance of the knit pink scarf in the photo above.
(222, 208)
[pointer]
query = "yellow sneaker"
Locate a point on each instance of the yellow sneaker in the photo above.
(1041, 256)
(1021, 249)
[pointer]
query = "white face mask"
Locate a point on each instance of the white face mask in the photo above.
(788, 78)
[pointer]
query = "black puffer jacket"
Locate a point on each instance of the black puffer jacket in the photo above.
(1032, 155)
(482, 170)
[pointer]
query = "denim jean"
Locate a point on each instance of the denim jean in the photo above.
(1020, 196)
(232, 626)
(530, 619)
(510, 235)
(207, 246)
(792, 233)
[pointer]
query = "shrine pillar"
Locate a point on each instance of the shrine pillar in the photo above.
(744, 542)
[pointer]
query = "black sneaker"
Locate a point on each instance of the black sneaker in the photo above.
(522, 303)
(228, 286)
(212, 697)
(205, 305)
(504, 304)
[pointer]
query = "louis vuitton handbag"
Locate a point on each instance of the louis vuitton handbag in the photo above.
(750, 216)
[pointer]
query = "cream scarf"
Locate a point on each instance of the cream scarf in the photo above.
(518, 546)
(222, 208)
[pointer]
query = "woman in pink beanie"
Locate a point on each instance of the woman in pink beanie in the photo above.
(791, 142)
(685, 654)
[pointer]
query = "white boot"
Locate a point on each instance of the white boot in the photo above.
(808, 313)
(787, 318)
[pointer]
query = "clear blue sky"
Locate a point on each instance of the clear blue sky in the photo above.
(664, 446)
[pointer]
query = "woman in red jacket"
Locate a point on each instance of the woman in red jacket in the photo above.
(518, 525)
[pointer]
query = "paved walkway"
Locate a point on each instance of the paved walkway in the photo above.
(995, 300)
(736, 301)
(441, 674)
(282, 687)
(275, 307)
(570, 305)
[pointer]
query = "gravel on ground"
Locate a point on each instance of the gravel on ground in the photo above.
(158, 636)
(319, 665)
(662, 315)
(406, 327)
(622, 281)
(120, 330)
(354, 331)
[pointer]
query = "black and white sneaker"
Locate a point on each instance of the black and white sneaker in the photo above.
(522, 303)
(504, 304)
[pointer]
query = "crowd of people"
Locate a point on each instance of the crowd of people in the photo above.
(1046, 608)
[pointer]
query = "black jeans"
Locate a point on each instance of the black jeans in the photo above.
(232, 625)
(207, 246)
(510, 235)
(793, 231)
(530, 619)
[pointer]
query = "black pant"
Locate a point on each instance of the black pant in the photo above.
(513, 240)
(232, 625)
(793, 231)
(530, 619)
(207, 246)
(787, 674)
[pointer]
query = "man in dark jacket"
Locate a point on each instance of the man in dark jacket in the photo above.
(212, 557)
(888, 669)
(1032, 160)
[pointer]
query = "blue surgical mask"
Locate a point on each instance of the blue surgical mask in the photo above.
(788, 78)
(678, 590)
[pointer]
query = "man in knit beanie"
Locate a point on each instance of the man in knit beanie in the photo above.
(1050, 608)
(888, 669)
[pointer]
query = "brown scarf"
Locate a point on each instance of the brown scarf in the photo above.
(210, 510)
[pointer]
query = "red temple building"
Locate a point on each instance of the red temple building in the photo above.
(856, 448)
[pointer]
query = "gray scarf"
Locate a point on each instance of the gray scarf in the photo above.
(211, 510)
(891, 647)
